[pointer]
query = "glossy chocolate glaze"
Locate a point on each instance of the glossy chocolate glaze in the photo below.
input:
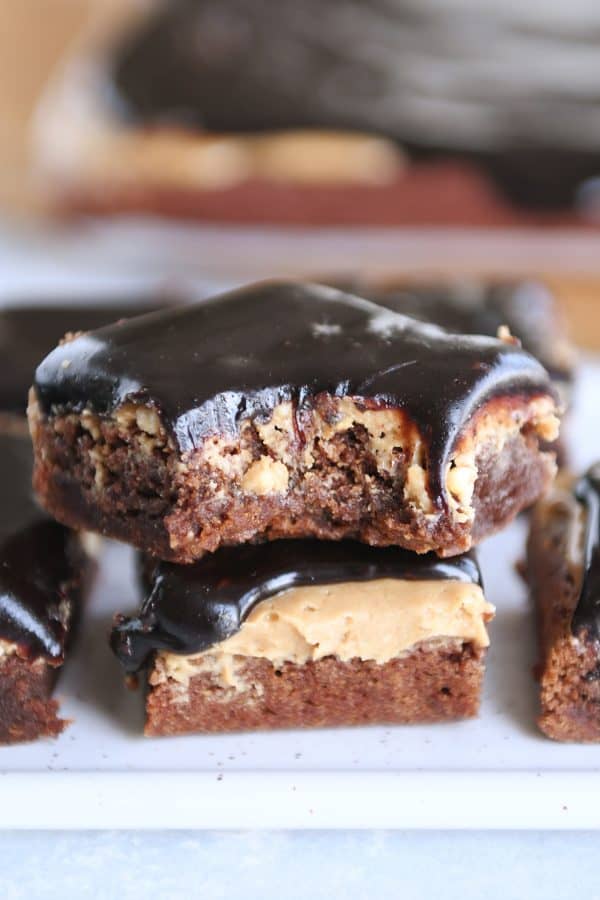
(207, 367)
(190, 608)
(486, 84)
(29, 332)
(38, 559)
(587, 613)
(470, 307)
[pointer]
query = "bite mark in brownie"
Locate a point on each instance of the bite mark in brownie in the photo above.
(289, 410)
(44, 575)
(563, 570)
(527, 308)
(300, 633)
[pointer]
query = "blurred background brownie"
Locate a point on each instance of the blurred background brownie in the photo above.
(29, 331)
(529, 309)
(563, 570)
(307, 633)
(44, 576)
(351, 112)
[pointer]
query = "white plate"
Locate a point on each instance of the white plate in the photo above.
(493, 772)
(131, 251)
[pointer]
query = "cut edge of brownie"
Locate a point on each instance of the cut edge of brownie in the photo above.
(569, 665)
(27, 709)
(355, 473)
(436, 681)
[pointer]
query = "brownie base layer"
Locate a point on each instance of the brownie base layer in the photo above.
(430, 684)
(427, 193)
(27, 710)
(569, 667)
(143, 499)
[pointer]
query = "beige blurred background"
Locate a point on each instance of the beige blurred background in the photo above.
(35, 34)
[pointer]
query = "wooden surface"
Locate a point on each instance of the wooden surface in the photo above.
(33, 35)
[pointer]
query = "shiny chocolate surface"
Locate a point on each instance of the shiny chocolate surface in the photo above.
(208, 367)
(39, 562)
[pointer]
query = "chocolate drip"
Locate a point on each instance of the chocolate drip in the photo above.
(587, 613)
(419, 74)
(208, 367)
(190, 608)
(29, 332)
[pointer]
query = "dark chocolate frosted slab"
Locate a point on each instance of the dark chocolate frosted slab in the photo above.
(587, 612)
(190, 608)
(39, 562)
(28, 332)
(207, 367)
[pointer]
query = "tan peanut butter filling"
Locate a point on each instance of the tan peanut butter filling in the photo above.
(374, 620)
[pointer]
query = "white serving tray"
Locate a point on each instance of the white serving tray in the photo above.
(493, 772)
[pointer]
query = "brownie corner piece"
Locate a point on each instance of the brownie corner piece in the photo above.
(339, 419)
(563, 570)
(45, 573)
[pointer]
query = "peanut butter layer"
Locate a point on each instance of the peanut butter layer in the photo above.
(377, 620)
(190, 609)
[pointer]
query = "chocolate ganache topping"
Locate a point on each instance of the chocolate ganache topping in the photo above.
(36, 561)
(587, 613)
(191, 608)
(209, 366)
(510, 86)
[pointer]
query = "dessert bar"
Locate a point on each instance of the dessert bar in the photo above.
(289, 410)
(44, 575)
(307, 633)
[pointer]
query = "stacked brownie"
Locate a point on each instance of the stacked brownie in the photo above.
(304, 473)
